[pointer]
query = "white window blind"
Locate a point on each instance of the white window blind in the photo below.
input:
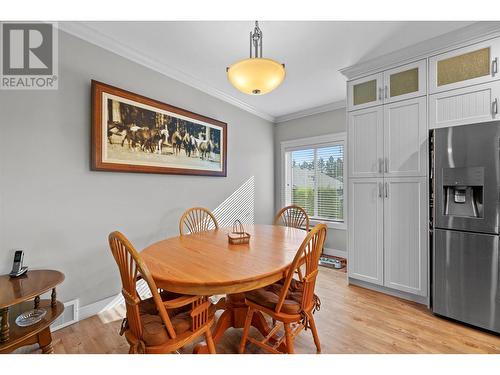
(314, 180)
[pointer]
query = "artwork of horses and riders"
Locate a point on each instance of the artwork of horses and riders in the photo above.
(132, 133)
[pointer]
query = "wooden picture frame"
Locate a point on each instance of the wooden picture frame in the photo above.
(133, 133)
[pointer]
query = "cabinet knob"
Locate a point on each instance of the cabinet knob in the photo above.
(494, 66)
(494, 107)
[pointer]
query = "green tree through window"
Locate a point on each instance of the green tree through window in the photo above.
(316, 181)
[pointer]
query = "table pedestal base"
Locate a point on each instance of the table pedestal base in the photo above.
(234, 316)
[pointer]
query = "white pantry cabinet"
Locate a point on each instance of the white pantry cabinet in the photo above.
(405, 138)
(470, 65)
(468, 105)
(366, 143)
(405, 234)
(387, 195)
(366, 244)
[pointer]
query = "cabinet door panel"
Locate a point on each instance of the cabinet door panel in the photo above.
(468, 105)
(405, 82)
(465, 66)
(365, 239)
(365, 138)
(364, 92)
(405, 235)
(405, 138)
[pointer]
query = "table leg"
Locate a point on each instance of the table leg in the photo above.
(234, 317)
(4, 329)
(45, 341)
(53, 296)
(37, 302)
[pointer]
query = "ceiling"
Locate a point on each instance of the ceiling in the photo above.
(197, 52)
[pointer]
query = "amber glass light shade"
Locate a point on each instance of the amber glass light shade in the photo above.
(256, 76)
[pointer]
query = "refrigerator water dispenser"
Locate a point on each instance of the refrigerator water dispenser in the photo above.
(463, 192)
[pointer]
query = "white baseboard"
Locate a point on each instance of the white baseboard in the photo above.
(392, 292)
(111, 301)
(95, 308)
(335, 252)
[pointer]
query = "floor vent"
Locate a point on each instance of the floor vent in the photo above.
(68, 317)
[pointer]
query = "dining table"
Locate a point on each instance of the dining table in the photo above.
(205, 263)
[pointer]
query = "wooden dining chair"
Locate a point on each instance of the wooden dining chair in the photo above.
(154, 325)
(289, 302)
(197, 219)
(292, 216)
(295, 217)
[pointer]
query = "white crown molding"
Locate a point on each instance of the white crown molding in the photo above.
(311, 111)
(89, 34)
(441, 43)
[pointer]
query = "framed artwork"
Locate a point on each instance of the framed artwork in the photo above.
(132, 133)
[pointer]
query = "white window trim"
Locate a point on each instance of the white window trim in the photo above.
(316, 142)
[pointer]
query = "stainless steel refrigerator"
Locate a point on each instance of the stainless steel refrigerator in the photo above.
(465, 220)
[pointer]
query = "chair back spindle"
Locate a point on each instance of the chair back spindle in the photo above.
(292, 216)
(197, 219)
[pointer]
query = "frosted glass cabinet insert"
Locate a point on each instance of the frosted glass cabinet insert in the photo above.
(471, 65)
(365, 92)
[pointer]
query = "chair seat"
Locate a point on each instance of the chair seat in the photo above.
(268, 297)
(154, 332)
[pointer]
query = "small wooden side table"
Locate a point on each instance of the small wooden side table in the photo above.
(15, 297)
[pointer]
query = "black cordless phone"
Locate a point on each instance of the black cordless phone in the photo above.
(17, 266)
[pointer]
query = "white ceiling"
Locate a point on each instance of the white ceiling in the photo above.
(313, 52)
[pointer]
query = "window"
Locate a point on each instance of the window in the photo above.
(314, 177)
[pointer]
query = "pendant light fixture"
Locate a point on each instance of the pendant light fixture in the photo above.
(256, 75)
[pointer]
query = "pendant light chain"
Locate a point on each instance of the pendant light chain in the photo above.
(256, 41)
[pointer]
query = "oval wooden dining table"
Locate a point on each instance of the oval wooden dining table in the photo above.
(206, 264)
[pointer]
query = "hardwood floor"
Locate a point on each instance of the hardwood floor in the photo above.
(351, 320)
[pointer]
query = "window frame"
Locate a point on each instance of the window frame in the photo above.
(315, 142)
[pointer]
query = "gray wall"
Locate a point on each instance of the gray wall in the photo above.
(60, 212)
(310, 126)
